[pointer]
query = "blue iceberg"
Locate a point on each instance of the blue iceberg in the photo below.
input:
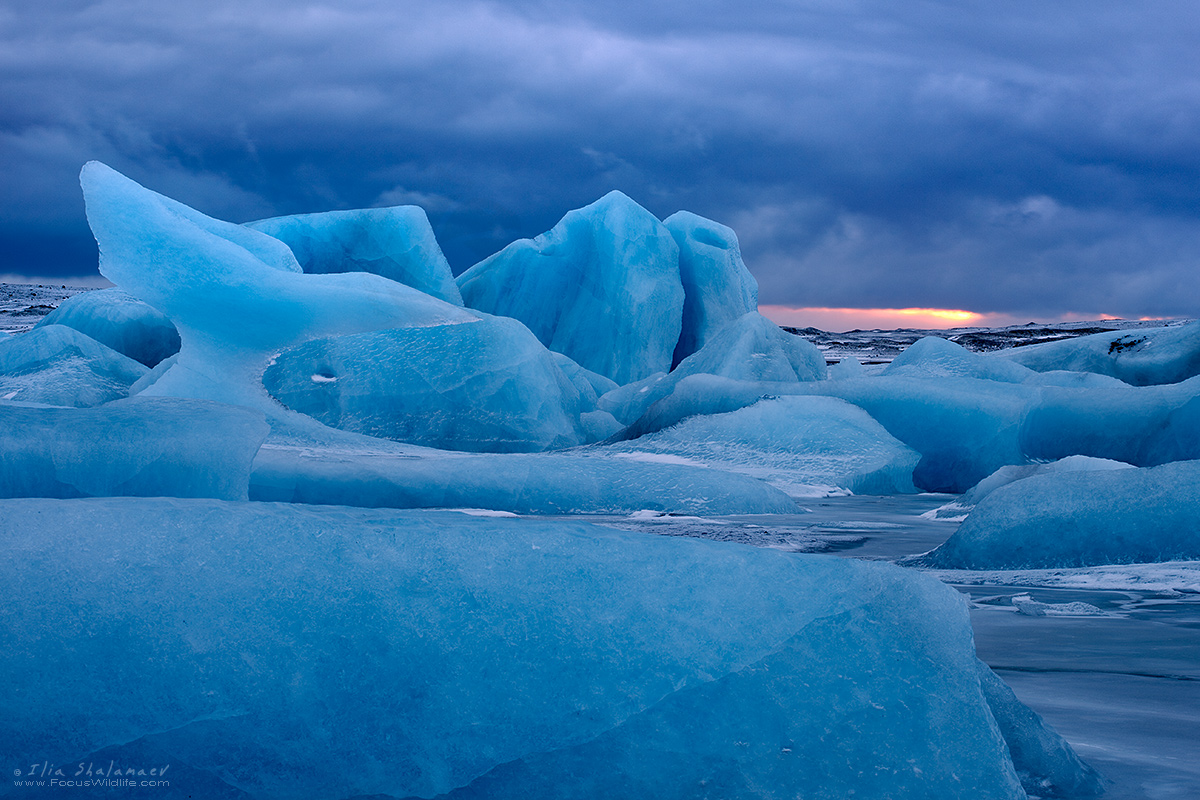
(485, 387)
(120, 321)
(396, 243)
(717, 287)
(237, 296)
(806, 446)
(1081, 519)
(934, 357)
(160, 447)
(1145, 426)
(601, 287)
(964, 428)
(1141, 358)
(958, 508)
(59, 366)
(751, 349)
(332, 652)
(535, 483)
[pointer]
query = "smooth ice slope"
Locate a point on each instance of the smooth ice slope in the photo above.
(136, 447)
(1140, 358)
(806, 446)
(236, 295)
(717, 287)
(1081, 519)
(397, 243)
(339, 652)
(601, 287)
(60, 366)
(934, 357)
(522, 484)
(964, 428)
(120, 321)
(485, 387)
(1016, 472)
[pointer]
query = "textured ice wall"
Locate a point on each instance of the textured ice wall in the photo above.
(154, 447)
(601, 287)
(1081, 519)
(338, 652)
(120, 321)
(236, 295)
(396, 243)
(60, 366)
(485, 387)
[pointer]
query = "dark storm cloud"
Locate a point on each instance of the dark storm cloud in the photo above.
(1026, 158)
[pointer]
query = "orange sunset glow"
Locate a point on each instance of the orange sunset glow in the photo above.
(845, 319)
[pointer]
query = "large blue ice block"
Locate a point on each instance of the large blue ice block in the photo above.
(1081, 519)
(602, 287)
(236, 295)
(334, 652)
(485, 387)
(60, 366)
(396, 243)
(138, 447)
(806, 446)
(120, 321)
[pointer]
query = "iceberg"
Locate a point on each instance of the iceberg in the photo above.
(1141, 358)
(601, 287)
(59, 366)
(1015, 472)
(237, 296)
(1145, 426)
(849, 367)
(964, 428)
(159, 447)
(751, 349)
(120, 321)
(717, 287)
(806, 446)
(485, 387)
(336, 652)
(396, 243)
(1081, 519)
(934, 357)
(536, 483)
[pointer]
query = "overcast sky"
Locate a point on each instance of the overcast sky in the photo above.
(1024, 158)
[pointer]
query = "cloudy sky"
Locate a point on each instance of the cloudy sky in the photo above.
(1024, 158)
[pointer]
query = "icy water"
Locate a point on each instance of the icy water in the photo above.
(1110, 656)
(22, 305)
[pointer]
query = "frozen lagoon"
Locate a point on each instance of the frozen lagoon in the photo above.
(1121, 683)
